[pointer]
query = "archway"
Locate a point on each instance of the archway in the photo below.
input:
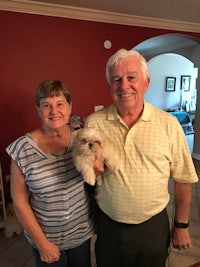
(181, 44)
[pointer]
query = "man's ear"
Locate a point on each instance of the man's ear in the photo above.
(147, 83)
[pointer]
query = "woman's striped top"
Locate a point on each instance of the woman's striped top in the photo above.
(57, 193)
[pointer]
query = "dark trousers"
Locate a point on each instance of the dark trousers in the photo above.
(76, 257)
(132, 245)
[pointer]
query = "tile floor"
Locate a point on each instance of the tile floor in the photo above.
(16, 252)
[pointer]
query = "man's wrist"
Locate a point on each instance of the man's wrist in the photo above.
(180, 224)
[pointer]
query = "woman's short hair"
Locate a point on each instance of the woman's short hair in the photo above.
(121, 54)
(50, 88)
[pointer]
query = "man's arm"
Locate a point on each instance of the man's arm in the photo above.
(182, 196)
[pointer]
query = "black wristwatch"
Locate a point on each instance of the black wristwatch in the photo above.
(180, 224)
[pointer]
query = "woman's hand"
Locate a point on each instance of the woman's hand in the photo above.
(49, 252)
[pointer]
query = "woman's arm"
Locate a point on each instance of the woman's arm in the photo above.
(49, 252)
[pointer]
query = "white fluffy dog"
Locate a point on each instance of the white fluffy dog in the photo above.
(90, 142)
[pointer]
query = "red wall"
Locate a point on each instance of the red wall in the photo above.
(34, 48)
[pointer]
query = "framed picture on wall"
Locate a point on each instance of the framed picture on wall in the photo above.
(170, 84)
(185, 82)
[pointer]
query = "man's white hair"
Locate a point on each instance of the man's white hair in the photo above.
(121, 54)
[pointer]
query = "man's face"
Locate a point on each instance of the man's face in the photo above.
(128, 84)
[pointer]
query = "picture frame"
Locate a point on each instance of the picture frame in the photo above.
(170, 84)
(185, 82)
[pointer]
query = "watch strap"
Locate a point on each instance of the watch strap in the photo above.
(180, 224)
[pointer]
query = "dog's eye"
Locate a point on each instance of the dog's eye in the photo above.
(97, 142)
(84, 141)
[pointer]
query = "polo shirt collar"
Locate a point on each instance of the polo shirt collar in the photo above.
(112, 113)
(147, 114)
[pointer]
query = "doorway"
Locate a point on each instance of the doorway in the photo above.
(181, 48)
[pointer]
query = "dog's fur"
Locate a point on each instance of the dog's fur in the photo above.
(12, 225)
(89, 143)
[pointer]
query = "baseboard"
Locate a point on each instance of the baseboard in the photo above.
(196, 156)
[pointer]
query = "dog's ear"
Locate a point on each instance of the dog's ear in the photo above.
(75, 133)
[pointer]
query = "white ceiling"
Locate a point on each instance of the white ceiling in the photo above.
(181, 10)
(178, 10)
(147, 13)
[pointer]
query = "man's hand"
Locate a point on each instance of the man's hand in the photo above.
(181, 238)
(98, 165)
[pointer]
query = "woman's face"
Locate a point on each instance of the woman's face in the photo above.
(54, 111)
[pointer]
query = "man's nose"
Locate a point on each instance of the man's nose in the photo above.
(124, 83)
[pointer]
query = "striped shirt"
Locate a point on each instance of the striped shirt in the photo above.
(57, 194)
(150, 152)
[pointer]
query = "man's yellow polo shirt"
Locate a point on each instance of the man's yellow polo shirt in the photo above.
(148, 154)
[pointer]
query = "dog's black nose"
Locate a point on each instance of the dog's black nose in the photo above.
(90, 145)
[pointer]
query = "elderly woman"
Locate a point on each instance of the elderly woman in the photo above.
(48, 193)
